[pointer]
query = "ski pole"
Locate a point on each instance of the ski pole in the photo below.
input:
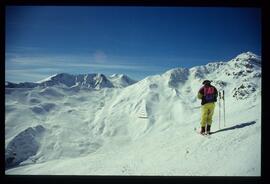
(223, 97)
(219, 97)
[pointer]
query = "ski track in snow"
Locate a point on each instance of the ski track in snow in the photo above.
(143, 129)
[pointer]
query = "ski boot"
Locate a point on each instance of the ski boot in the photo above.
(208, 129)
(202, 131)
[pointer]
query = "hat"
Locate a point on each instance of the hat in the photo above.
(206, 82)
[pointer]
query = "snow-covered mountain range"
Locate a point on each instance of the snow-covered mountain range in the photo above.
(93, 81)
(127, 127)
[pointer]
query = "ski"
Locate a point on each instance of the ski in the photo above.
(204, 135)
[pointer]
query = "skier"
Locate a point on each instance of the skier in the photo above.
(208, 94)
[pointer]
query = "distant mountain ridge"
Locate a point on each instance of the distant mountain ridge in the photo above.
(95, 81)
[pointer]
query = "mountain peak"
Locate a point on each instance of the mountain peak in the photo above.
(46, 79)
(116, 75)
(121, 80)
(248, 59)
(247, 56)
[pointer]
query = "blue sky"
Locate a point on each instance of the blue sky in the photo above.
(137, 41)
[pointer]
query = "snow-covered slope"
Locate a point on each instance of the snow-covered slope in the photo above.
(93, 81)
(143, 129)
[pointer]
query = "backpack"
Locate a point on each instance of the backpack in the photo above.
(209, 93)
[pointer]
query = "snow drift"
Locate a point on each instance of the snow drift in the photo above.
(117, 126)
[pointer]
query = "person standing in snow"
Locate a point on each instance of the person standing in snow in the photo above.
(208, 94)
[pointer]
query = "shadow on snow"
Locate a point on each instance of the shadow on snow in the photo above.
(235, 127)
